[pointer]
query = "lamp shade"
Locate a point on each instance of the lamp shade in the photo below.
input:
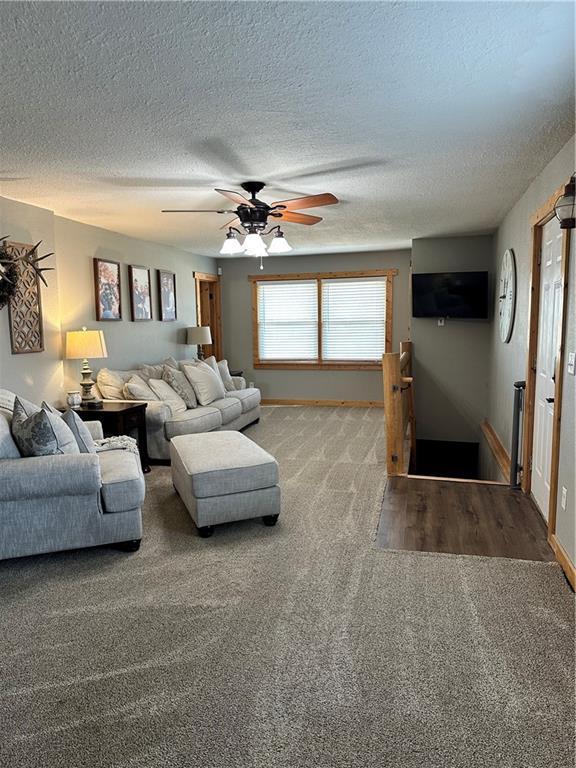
(84, 344)
(199, 334)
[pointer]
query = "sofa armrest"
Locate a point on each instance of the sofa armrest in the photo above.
(157, 413)
(95, 429)
(42, 476)
(239, 382)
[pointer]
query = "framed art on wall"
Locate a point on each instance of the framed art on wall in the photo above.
(140, 292)
(107, 287)
(167, 294)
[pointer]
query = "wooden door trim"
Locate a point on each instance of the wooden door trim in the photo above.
(206, 277)
(540, 218)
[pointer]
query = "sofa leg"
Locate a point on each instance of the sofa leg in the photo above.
(129, 546)
(205, 531)
(270, 519)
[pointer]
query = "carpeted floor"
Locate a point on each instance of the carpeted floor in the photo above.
(298, 646)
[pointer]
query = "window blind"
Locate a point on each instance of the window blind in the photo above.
(288, 320)
(353, 318)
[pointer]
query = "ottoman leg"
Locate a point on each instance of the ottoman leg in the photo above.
(270, 519)
(205, 531)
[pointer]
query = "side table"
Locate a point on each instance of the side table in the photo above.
(121, 419)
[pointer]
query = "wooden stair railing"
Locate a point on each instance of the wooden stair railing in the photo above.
(399, 409)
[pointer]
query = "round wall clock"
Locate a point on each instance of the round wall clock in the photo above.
(507, 295)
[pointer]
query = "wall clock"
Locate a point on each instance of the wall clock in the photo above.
(507, 295)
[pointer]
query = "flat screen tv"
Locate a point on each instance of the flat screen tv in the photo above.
(450, 294)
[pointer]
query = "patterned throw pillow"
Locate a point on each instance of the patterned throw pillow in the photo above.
(172, 362)
(84, 439)
(42, 433)
(151, 371)
(180, 384)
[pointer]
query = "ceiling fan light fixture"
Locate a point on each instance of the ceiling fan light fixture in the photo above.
(254, 245)
(231, 245)
(279, 244)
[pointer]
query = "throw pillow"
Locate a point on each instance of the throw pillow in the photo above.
(180, 384)
(110, 384)
(137, 389)
(207, 385)
(171, 362)
(84, 439)
(42, 433)
(225, 376)
(151, 371)
(165, 393)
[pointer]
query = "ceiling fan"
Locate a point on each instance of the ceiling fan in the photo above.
(252, 215)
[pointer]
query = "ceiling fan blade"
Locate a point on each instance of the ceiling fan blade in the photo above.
(309, 201)
(234, 223)
(195, 210)
(236, 197)
(298, 218)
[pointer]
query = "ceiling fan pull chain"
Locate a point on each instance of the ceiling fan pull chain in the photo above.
(261, 265)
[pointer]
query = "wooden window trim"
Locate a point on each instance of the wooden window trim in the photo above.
(319, 365)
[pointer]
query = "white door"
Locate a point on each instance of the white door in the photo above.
(548, 335)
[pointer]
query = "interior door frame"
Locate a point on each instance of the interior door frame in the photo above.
(206, 277)
(541, 217)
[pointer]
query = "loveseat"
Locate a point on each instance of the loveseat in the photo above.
(70, 501)
(236, 409)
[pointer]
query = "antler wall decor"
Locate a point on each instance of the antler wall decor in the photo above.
(9, 271)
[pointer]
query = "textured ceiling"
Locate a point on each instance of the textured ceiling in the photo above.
(112, 111)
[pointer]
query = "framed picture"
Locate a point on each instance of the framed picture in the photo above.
(107, 287)
(167, 293)
(140, 292)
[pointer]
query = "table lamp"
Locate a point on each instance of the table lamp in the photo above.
(199, 335)
(80, 345)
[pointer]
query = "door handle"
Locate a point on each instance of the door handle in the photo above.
(549, 399)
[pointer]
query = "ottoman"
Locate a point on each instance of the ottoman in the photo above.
(224, 476)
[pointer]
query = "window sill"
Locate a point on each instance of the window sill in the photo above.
(293, 365)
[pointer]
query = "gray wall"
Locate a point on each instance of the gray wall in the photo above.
(307, 385)
(68, 302)
(128, 343)
(451, 362)
(38, 373)
(508, 361)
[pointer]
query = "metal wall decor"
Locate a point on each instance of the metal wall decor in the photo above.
(25, 303)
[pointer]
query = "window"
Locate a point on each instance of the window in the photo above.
(322, 320)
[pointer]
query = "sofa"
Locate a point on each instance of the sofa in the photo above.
(239, 408)
(66, 501)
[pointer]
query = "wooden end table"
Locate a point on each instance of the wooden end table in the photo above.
(120, 419)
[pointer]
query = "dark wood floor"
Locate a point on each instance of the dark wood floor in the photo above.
(462, 518)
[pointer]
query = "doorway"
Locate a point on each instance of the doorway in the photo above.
(544, 377)
(208, 310)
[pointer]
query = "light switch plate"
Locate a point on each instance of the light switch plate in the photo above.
(564, 498)
(572, 363)
(441, 322)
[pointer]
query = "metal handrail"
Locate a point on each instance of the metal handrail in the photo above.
(515, 467)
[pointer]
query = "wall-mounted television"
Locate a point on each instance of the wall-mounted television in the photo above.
(450, 294)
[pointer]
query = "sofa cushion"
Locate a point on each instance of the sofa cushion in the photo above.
(123, 485)
(207, 384)
(229, 407)
(151, 371)
(8, 448)
(180, 384)
(42, 433)
(137, 389)
(81, 433)
(225, 376)
(192, 421)
(165, 393)
(171, 362)
(220, 463)
(110, 384)
(249, 398)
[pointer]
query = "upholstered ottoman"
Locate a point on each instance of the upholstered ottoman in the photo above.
(224, 476)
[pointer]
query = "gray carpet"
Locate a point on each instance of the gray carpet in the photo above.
(301, 645)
